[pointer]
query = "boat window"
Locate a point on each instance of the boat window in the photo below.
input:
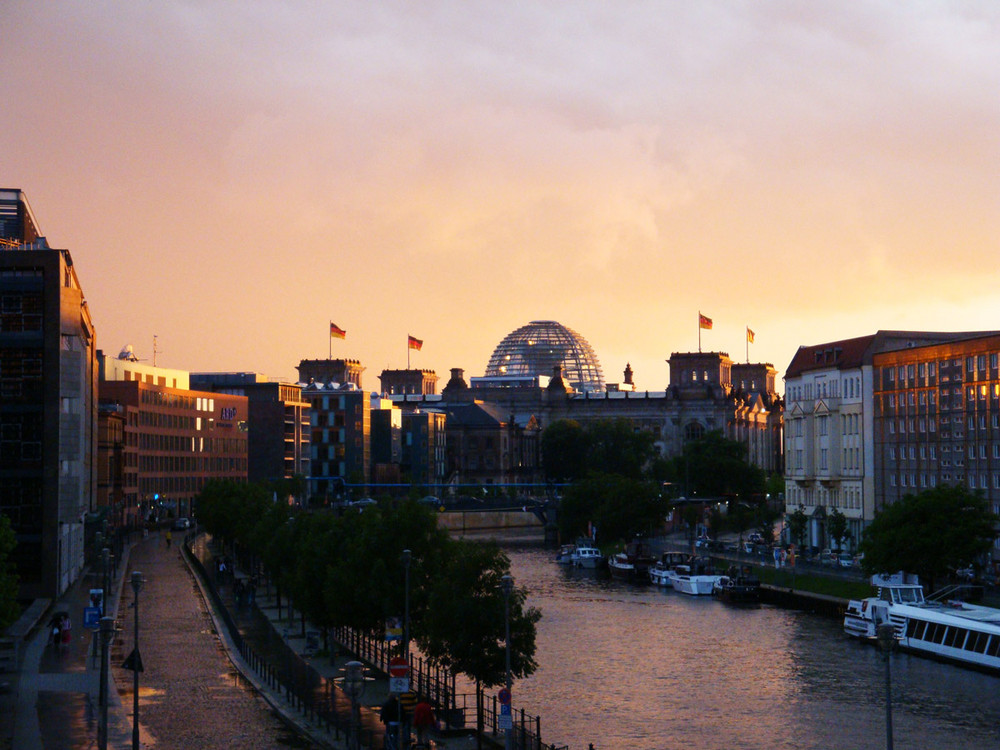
(976, 642)
(981, 642)
(956, 637)
(935, 632)
(908, 596)
(994, 647)
(916, 629)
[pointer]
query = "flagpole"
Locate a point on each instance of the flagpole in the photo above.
(699, 332)
(330, 336)
(748, 344)
(407, 352)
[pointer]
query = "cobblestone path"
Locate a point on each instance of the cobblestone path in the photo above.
(189, 694)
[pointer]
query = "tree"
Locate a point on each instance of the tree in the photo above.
(713, 465)
(929, 533)
(614, 446)
(797, 523)
(620, 507)
(564, 451)
(836, 525)
(464, 626)
(9, 609)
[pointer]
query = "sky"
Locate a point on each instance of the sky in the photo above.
(231, 177)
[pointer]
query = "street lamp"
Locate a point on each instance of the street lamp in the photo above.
(107, 631)
(886, 635)
(136, 586)
(354, 683)
(407, 556)
(507, 586)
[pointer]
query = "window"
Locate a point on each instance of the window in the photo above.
(969, 364)
(930, 369)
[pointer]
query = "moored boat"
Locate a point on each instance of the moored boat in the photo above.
(696, 578)
(738, 586)
(565, 554)
(662, 572)
(633, 563)
(951, 630)
(586, 556)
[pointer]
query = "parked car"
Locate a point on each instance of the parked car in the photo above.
(182, 523)
(846, 560)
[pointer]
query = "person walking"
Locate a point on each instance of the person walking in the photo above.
(389, 715)
(423, 720)
(169, 538)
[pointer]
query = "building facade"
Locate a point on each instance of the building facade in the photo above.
(832, 459)
(396, 382)
(48, 403)
(937, 420)
(279, 432)
(180, 439)
(340, 441)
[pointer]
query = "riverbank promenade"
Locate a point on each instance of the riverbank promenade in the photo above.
(195, 690)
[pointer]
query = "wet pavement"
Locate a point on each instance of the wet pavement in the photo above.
(190, 694)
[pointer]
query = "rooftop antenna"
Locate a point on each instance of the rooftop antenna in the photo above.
(154, 350)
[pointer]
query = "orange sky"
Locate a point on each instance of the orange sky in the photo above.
(232, 176)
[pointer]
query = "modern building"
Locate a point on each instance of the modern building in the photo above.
(48, 403)
(177, 439)
(937, 420)
(279, 433)
(831, 457)
(425, 448)
(340, 444)
(386, 442)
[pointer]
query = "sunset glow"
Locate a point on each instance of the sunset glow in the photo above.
(233, 177)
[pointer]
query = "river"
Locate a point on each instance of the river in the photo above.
(636, 668)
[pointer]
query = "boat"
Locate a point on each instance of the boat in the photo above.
(662, 572)
(696, 578)
(738, 586)
(633, 563)
(939, 627)
(586, 556)
(565, 554)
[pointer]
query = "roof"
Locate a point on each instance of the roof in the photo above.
(842, 355)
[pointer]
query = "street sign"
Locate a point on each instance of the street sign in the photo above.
(504, 696)
(505, 722)
(92, 617)
(505, 709)
(399, 667)
(133, 662)
(399, 684)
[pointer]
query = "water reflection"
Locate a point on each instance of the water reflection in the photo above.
(636, 667)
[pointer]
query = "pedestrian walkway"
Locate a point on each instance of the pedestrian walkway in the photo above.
(272, 636)
(55, 695)
(190, 694)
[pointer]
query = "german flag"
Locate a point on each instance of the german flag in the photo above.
(704, 322)
(336, 332)
(414, 343)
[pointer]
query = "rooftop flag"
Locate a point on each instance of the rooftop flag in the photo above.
(414, 343)
(749, 335)
(704, 322)
(336, 332)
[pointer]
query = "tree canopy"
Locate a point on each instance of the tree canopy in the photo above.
(715, 466)
(608, 446)
(929, 533)
(620, 507)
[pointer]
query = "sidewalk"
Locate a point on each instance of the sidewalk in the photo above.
(266, 632)
(55, 694)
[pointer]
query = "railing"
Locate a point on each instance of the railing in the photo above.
(313, 696)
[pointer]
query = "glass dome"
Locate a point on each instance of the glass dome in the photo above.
(535, 349)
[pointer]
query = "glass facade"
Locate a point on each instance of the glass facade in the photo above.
(537, 348)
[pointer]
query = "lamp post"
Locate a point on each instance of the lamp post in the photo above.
(507, 586)
(354, 682)
(136, 586)
(106, 581)
(886, 634)
(404, 741)
(107, 630)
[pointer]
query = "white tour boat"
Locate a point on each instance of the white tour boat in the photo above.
(950, 630)
(662, 572)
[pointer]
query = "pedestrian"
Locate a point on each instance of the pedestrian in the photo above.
(389, 715)
(169, 537)
(66, 628)
(57, 634)
(423, 720)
